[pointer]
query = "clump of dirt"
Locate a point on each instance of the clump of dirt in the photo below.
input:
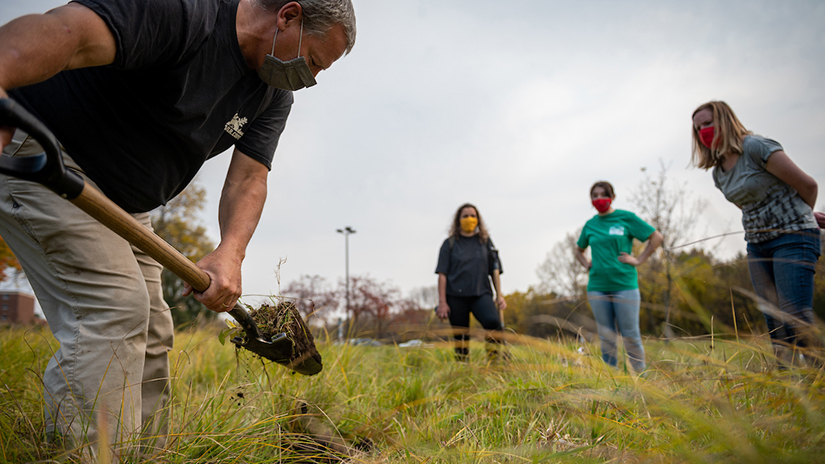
(273, 319)
(315, 433)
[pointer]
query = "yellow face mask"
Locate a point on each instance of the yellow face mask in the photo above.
(468, 225)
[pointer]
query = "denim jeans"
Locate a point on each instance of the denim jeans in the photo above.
(619, 309)
(782, 272)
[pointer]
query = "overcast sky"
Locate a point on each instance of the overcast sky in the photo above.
(517, 107)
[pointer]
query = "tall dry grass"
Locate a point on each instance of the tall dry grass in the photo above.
(700, 401)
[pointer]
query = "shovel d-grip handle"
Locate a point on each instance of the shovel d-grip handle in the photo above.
(48, 169)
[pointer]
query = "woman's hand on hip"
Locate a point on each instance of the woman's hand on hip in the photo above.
(820, 219)
(628, 259)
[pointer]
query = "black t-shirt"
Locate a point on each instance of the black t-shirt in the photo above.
(178, 93)
(467, 262)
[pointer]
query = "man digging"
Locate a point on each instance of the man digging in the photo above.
(141, 93)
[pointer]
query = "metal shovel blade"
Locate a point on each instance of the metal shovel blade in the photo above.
(279, 349)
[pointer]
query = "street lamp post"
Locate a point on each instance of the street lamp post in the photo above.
(347, 231)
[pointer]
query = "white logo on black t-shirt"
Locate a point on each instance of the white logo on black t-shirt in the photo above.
(235, 126)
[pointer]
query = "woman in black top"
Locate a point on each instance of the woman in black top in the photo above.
(465, 264)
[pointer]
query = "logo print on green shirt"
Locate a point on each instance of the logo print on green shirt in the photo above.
(616, 230)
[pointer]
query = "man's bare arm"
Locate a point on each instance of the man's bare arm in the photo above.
(242, 202)
(35, 47)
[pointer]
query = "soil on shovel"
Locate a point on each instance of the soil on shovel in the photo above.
(273, 319)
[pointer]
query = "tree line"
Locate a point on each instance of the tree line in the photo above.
(686, 290)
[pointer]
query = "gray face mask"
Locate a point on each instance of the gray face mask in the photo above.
(292, 75)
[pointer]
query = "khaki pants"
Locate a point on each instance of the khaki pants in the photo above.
(104, 303)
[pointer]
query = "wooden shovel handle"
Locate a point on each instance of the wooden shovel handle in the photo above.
(122, 223)
(108, 213)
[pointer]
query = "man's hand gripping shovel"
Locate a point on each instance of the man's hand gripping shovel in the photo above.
(48, 169)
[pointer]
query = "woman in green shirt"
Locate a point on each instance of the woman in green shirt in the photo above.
(613, 287)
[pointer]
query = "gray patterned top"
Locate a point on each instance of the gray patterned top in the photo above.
(770, 207)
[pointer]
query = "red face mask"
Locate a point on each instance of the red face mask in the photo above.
(602, 204)
(706, 136)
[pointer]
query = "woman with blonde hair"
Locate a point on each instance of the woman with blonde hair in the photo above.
(777, 200)
(467, 262)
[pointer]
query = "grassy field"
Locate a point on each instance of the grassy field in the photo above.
(701, 401)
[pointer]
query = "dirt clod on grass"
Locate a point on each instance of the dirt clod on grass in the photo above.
(284, 317)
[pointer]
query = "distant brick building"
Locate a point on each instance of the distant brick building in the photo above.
(16, 308)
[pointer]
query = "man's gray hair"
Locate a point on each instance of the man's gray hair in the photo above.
(322, 15)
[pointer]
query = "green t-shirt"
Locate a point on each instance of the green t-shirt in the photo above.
(608, 236)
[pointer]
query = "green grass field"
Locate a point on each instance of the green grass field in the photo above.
(700, 401)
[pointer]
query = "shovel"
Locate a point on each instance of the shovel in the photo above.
(48, 169)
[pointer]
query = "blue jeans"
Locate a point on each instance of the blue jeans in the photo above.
(619, 309)
(782, 272)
